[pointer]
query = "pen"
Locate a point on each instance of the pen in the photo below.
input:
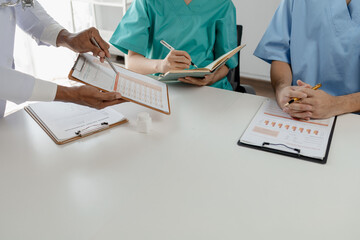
(168, 46)
(107, 59)
(317, 86)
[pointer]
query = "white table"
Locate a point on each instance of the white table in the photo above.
(186, 180)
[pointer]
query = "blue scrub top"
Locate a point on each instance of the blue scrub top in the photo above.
(320, 39)
(206, 29)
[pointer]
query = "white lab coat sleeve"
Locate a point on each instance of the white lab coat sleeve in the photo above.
(19, 87)
(50, 34)
(43, 91)
(38, 24)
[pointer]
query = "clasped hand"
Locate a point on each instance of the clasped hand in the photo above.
(312, 104)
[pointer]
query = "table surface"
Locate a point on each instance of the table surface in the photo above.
(187, 179)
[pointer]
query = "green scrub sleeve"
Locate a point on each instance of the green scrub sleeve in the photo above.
(132, 32)
(226, 35)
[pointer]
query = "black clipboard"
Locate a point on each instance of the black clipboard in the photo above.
(270, 109)
(297, 152)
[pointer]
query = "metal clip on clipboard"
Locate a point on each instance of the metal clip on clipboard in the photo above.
(92, 129)
(267, 144)
(79, 63)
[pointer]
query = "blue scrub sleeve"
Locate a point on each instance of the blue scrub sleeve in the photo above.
(132, 32)
(275, 44)
(226, 35)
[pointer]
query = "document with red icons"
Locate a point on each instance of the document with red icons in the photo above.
(273, 130)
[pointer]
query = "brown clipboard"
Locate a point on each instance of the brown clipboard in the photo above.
(52, 136)
(71, 77)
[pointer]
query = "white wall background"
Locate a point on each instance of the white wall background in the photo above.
(52, 63)
(255, 16)
(44, 62)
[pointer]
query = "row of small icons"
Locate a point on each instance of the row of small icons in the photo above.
(293, 128)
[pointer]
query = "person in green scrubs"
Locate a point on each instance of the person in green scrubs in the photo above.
(199, 30)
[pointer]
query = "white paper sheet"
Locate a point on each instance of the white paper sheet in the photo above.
(63, 120)
(273, 126)
(137, 87)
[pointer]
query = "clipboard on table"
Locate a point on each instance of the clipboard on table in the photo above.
(68, 122)
(274, 131)
(134, 87)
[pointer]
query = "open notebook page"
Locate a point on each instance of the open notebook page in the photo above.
(218, 62)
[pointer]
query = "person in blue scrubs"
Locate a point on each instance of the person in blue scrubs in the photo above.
(310, 42)
(199, 30)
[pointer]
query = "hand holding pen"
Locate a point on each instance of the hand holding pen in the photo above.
(179, 54)
(81, 42)
(107, 59)
(306, 105)
(317, 86)
(316, 104)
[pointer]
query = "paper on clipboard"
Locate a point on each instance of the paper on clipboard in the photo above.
(65, 122)
(272, 128)
(134, 87)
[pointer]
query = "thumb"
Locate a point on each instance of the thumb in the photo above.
(110, 96)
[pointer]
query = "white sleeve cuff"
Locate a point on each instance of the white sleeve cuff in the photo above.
(51, 33)
(43, 91)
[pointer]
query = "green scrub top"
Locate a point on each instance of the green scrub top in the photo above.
(206, 29)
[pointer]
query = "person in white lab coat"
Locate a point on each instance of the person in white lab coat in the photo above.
(19, 87)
